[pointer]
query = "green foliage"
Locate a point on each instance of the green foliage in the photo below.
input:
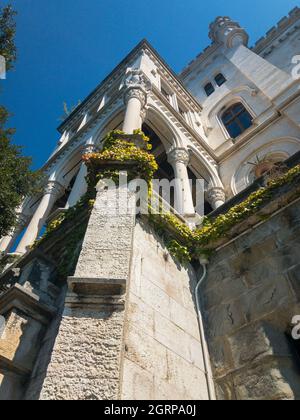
(71, 250)
(7, 35)
(85, 204)
(16, 178)
(186, 244)
(120, 150)
(180, 252)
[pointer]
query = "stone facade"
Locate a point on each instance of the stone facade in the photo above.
(163, 356)
(249, 299)
(101, 310)
(151, 349)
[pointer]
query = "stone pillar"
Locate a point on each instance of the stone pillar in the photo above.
(86, 359)
(216, 197)
(7, 242)
(135, 99)
(179, 159)
(52, 192)
(80, 185)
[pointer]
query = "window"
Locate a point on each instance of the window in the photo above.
(236, 120)
(220, 79)
(209, 89)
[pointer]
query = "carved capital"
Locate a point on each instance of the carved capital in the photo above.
(136, 86)
(88, 148)
(179, 156)
(135, 92)
(216, 195)
(54, 188)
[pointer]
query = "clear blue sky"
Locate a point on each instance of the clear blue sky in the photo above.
(66, 47)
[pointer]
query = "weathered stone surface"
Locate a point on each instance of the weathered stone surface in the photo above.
(107, 245)
(269, 380)
(163, 355)
(85, 362)
(257, 340)
(86, 358)
(250, 297)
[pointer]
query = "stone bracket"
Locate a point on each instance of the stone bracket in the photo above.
(97, 286)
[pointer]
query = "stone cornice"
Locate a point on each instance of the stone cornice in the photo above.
(119, 73)
(78, 138)
(204, 55)
(265, 42)
(268, 42)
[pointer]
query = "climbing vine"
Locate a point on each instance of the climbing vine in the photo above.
(118, 149)
(186, 244)
(131, 153)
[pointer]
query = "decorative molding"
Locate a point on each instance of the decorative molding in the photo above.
(179, 155)
(135, 92)
(265, 45)
(88, 148)
(54, 188)
(216, 194)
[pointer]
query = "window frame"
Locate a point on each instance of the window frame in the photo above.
(216, 79)
(235, 118)
(205, 90)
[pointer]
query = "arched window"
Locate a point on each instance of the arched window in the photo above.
(236, 120)
(209, 89)
(220, 79)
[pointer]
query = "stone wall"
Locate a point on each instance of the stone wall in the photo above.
(163, 354)
(250, 296)
(144, 344)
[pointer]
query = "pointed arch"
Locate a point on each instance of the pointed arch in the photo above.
(210, 170)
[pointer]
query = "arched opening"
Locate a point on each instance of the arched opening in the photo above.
(165, 170)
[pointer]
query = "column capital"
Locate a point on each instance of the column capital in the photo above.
(54, 188)
(136, 86)
(216, 195)
(179, 155)
(88, 148)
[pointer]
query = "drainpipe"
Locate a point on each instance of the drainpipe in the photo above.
(206, 359)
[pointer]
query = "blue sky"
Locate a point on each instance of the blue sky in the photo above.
(66, 47)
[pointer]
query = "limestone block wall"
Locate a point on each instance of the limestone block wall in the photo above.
(162, 356)
(250, 296)
(85, 362)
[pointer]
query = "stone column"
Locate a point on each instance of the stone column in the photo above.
(216, 197)
(135, 99)
(52, 192)
(86, 359)
(7, 242)
(179, 159)
(80, 185)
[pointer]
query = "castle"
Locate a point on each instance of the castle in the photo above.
(101, 309)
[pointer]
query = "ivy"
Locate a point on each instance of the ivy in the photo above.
(120, 148)
(183, 243)
(186, 244)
